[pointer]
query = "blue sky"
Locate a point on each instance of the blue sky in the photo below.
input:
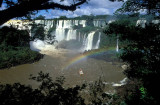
(95, 7)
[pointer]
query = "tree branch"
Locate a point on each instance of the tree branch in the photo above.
(24, 8)
(1, 3)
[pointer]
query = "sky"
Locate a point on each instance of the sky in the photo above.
(95, 7)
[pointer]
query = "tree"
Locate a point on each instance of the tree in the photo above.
(48, 93)
(40, 17)
(152, 6)
(39, 33)
(20, 8)
(63, 17)
(142, 55)
(13, 37)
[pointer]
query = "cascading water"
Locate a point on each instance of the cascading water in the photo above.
(63, 25)
(71, 35)
(82, 22)
(89, 41)
(96, 23)
(99, 38)
(60, 31)
(99, 23)
(117, 47)
(65, 31)
(60, 34)
(84, 39)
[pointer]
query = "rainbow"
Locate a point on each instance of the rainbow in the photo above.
(81, 57)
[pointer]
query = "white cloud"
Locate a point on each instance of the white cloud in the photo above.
(65, 2)
(95, 7)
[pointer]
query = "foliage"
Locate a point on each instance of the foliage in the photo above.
(40, 17)
(89, 20)
(48, 93)
(96, 92)
(85, 17)
(63, 17)
(38, 31)
(13, 37)
(87, 29)
(151, 6)
(108, 41)
(17, 55)
(133, 93)
(130, 18)
(50, 37)
(142, 55)
(51, 92)
(14, 48)
(112, 31)
(77, 27)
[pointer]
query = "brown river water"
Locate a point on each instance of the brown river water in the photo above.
(55, 62)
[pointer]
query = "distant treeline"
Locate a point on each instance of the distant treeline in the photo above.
(107, 17)
(83, 17)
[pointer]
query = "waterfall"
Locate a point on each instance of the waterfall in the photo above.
(84, 39)
(62, 25)
(89, 41)
(71, 35)
(64, 31)
(82, 22)
(60, 31)
(48, 24)
(99, 38)
(99, 23)
(117, 48)
(67, 24)
(76, 22)
(60, 34)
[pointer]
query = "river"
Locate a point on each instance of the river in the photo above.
(67, 63)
